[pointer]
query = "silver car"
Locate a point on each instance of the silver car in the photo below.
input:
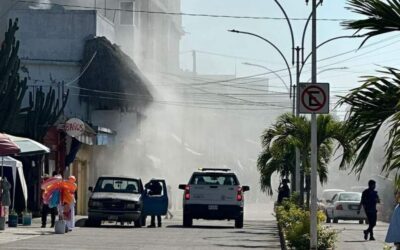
(345, 206)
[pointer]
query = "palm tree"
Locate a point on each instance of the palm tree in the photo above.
(376, 102)
(279, 143)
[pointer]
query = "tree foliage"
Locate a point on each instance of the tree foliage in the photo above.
(381, 17)
(280, 140)
(376, 102)
(372, 105)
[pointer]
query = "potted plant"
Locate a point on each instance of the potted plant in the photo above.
(13, 219)
(26, 218)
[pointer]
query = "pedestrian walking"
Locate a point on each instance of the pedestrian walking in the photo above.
(369, 199)
(393, 233)
(45, 207)
(283, 190)
(154, 188)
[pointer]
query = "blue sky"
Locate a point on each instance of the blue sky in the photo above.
(210, 35)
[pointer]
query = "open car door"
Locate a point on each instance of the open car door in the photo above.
(155, 204)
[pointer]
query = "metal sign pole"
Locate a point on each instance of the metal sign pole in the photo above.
(297, 97)
(313, 207)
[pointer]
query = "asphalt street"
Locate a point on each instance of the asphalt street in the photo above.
(203, 235)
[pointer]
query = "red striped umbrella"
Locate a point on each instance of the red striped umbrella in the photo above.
(7, 146)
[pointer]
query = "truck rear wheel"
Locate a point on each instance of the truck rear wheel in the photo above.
(239, 221)
(187, 220)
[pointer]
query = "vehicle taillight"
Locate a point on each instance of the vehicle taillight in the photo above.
(239, 196)
(187, 192)
(339, 207)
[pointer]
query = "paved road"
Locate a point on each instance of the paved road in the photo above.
(351, 236)
(204, 235)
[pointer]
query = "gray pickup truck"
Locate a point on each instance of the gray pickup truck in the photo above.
(116, 199)
(124, 199)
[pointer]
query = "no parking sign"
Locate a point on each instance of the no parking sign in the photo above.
(313, 98)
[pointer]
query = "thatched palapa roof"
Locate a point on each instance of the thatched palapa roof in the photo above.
(112, 80)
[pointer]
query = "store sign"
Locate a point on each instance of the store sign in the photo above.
(74, 127)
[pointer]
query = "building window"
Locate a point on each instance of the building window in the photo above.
(126, 17)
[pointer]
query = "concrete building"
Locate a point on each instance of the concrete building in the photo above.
(53, 36)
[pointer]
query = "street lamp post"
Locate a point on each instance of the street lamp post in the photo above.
(298, 178)
(314, 146)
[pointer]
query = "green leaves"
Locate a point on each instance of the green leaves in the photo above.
(381, 17)
(281, 139)
(373, 105)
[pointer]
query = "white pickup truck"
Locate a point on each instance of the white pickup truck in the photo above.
(213, 194)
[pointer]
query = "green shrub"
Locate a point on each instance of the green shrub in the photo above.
(295, 222)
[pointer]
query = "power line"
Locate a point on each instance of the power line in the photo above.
(83, 71)
(169, 102)
(190, 14)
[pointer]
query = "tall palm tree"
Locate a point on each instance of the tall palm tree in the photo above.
(376, 102)
(279, 143)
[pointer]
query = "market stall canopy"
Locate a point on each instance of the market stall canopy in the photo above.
(16, 167)
(28, 146)
(111, 79)
(7, 146)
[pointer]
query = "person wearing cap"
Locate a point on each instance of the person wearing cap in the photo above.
(283, 190)
(154, 187)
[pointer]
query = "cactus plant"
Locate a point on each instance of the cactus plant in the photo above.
(12, 88)
(44, 112)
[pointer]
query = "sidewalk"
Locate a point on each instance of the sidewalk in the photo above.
(351, 236)
(11, 234)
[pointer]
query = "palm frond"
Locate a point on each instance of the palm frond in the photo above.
(371, 105)
(380, 17)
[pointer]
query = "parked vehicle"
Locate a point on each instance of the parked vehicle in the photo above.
(327, 194)
(123, 199)
(345, 206)
(213, 194)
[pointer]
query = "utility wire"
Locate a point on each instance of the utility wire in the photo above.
(83, 71)
(190, 14)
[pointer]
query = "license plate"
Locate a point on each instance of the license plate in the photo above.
(354, 207)
(112, 217)
(212, 207)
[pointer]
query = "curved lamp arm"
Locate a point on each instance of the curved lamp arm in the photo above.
(290, 27)
(275, 47)
(323, 43)
(270, 70)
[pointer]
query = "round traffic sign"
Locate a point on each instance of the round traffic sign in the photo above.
(313, 98)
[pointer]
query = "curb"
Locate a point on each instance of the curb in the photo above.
(282, 237)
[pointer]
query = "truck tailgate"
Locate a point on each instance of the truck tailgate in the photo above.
(213, 194)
